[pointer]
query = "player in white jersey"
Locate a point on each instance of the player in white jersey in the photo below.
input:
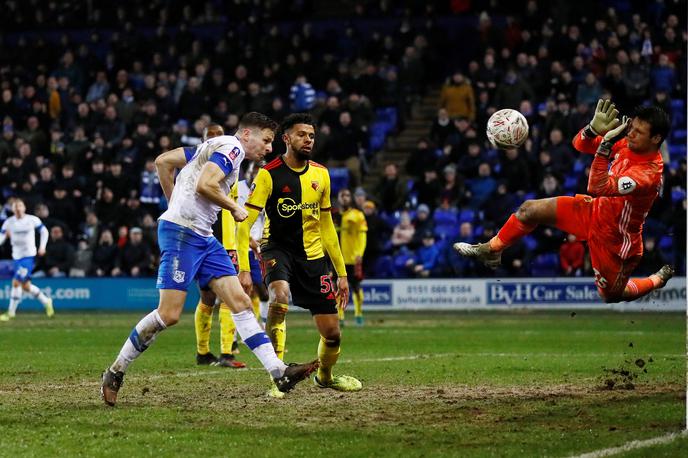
(189, 251)
(259, 292)
(21, 230)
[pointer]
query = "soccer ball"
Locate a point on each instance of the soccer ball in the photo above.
(507, 129)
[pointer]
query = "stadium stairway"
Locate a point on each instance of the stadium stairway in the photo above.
(398, 148)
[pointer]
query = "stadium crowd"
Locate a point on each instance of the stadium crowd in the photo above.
(85, 113)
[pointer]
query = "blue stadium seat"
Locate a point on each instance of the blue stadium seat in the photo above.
(446, 217)
(530, 242)
(384, 267)
(571, 183)
(678, 194)
(678, 136)
(578, 166)
(339, 179)
(445, 231)
(677, 151)
(678, 105)
(467, 215)
(545, 265)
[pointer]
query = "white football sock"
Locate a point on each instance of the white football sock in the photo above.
(36, 293)
(259, 343)
(15, 299)
(141, 337)
(264, 312)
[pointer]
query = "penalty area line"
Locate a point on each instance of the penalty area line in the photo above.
(633, 445)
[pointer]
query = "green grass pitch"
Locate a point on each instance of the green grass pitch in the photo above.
(435, 384)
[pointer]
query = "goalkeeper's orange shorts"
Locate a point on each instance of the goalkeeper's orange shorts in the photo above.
(575, 216)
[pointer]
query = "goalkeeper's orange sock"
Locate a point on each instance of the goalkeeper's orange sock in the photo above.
(203, 322)
(638, 287)
(510, 233)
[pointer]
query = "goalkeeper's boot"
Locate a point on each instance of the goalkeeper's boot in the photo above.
(293, 374)
(6, 317)
(481, 252)
(205, 360)
(49, 310)
(665, 274)
(112, 382)
(359, 321)
(228, 360)
(340, 383)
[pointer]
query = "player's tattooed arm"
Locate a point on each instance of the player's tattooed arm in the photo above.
(166, 164)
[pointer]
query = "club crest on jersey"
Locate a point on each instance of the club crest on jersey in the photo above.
(271, 263)
(178, 276)
(234, 153)
(315, 185)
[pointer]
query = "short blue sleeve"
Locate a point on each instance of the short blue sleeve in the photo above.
(189, 152)
(222, 161)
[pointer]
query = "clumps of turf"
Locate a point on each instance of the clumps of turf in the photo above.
(625, 376)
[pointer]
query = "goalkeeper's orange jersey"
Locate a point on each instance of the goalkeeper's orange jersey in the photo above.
(623, 193)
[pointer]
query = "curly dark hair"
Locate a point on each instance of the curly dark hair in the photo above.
(296, 118)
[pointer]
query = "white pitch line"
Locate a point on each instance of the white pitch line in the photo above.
(633, 445)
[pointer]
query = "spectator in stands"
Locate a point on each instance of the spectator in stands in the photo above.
(482, 187)
(457, 98)
(663, 75)
(428, 188)
(512, 91)
(468, 164)
(59, 254)
(301, 94)
(589, 91)
(346, 145)
(378, 235)
(82, 259)
(572, 257)
(425, 258)
(458, 265)
(515, 171)
(442, 128)
(134, 259)
(453, 188)
(421, 159)
(111, 129)
(403, 231)
(104, 255)
(150, 189)
(65, 209)
(390, 190)
(422, 223)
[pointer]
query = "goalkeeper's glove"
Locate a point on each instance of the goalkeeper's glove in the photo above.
(612, 137)
(605, 119)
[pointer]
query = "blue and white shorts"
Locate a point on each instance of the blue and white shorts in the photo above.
(23, 268)
(186, 256)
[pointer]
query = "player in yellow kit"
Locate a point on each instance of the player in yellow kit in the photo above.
(295, 193)
(225, 232)
(353, 231)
